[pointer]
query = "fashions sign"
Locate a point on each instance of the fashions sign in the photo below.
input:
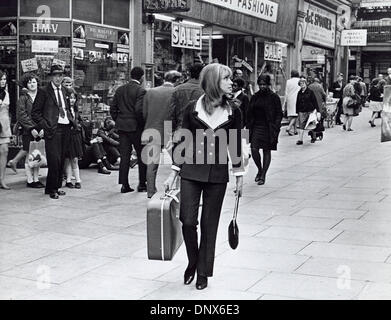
(261, 9)
(319, 26)
(186, 36)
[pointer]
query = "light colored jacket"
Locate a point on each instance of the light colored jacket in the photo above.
(291, 91)
(4, 117)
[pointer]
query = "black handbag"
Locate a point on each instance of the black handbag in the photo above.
(233, 229)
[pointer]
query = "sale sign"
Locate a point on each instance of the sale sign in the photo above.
(186, 36)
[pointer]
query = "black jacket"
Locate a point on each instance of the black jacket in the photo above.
(306, 101)
(273, 108)
(245, 101)
(126, 109)
(202, 161)
(45, 111)
(337, 93)
(375, 94)
(24, 107)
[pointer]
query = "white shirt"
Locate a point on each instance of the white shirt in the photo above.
(64, 120)
(219, 116)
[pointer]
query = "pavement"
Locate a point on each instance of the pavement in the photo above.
(320, 228)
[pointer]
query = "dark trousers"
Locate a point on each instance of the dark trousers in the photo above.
(56, 148)
(339, 111)
(202, 256)
(153, 152)
(92, 154)
(127, 140)
(112, 152)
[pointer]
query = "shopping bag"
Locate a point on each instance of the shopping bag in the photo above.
(37, 155)
(312, 121)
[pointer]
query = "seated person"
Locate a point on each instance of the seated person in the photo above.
(94, 151)
(110, 139)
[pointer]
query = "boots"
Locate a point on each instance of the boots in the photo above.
(102, 169)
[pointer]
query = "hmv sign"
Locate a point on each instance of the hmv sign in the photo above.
(58, 28)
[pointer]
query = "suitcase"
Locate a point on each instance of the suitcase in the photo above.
(164, 229)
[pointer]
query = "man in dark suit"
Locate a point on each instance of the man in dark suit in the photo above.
(238, 93)
(156, 110)
(51, 112)
(127, 111)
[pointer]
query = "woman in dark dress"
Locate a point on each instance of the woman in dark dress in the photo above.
(264, 122)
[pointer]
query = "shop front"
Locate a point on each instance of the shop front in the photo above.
(253, 39)
(90, 39)
(319, 41)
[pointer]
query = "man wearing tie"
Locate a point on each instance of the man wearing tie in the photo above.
(51, 111)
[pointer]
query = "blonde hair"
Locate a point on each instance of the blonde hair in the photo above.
(210, 79)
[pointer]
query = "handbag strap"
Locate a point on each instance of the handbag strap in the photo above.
(236, 207)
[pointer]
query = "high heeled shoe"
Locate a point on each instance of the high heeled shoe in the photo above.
(202, 282)
(189, 276)
(288, 132)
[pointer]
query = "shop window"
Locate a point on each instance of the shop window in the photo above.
(41, 57)
(44, 9)
(118, 17)
(167, 57)
(87, 10)
(100, 67)
(8, 8)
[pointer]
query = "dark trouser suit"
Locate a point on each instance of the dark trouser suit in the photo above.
(203, 255)
(126, 140)
(339, 111)
(55, 148)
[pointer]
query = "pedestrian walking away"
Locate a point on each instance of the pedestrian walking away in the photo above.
(375, 101)
(351, 102)
(212, 111)
(265, 115)
(291, 91)
(156, 109)
(238, 90)
(127, 111)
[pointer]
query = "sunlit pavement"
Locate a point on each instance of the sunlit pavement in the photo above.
(320, 228)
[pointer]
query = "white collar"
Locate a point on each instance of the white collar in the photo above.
(219, 116)
(237, 94)
(138, 82)
(55, 87)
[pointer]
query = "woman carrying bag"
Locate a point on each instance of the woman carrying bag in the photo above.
(211, 115)
(375, 101)
(305, 105)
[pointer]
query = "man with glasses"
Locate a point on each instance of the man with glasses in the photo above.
(51, 112)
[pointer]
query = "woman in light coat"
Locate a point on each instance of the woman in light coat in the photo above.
(5, 128)
(291, 91)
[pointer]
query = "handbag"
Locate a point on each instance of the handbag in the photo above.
(36, 157)
(312, 121)
(233, 229)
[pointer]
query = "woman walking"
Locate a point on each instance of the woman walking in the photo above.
(291, 92)
(5, 129)
(375, 101)
(306, 104)
(265, 115)
(350, 102)
(29, 127)
(213, 115)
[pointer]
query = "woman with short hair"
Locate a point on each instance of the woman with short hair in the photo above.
(264, 123)
(205, 169)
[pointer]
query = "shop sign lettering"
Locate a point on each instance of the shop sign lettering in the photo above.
(356, 37)
(319, 26)
(261, 9)
(273, 52)
(98, 33)
(310, 53)
(186, 36)
(58, 28)
(156, 6)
